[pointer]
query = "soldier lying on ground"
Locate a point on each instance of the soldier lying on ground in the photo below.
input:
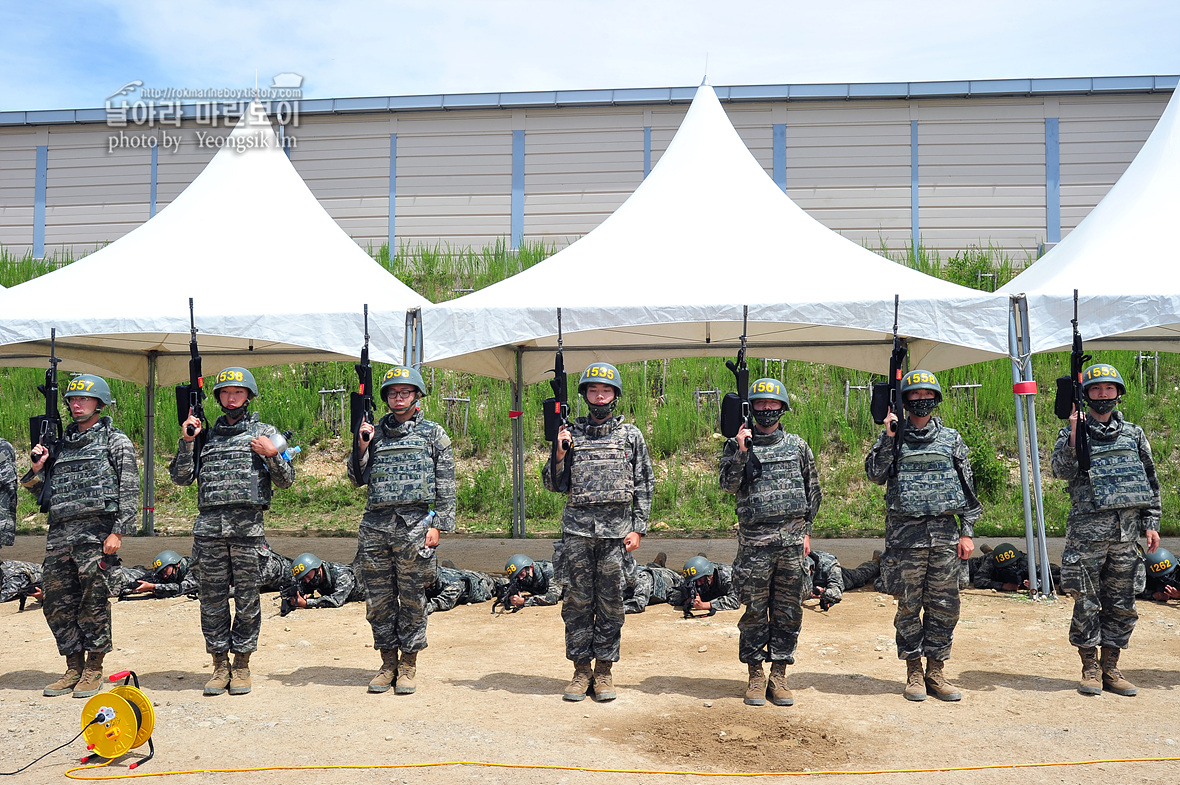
(1005, 568)
(1161, 584)
(453, 586)
(20, 580)
(827, 581)
(334, 583)
(542, 581)
(170, 575)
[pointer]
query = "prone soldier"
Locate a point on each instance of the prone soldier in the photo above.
(335, 583)
(930, 486)
(775, 511)
(602, 464)
(1160, 584)
(1110, 505)
(20, 580)
(169, 575)
(453, 587)
(239, 465)
(94, 503)
(407, 463)
(1005, 568)
(533, 583)
(7, 494)
(715, 586)
(827, 580)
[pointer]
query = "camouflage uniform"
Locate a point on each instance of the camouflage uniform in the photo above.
(78, 576)
(1100, 559)
(395, 564)
(338, 586)
(182, 581)
(825, 573)
(546, 586)
(721, 593)
(18, 579)
(274, 569)
(775, 512)
(233, 493)
(987, 573)
(638, 585)
(453, 587)
(609, 483)
(7, 494)
(921, 563)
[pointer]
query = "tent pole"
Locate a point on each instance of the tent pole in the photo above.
(1021, 445)
(149, 451)
(1034, 452)
(518, 525)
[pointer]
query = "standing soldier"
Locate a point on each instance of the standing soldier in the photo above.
(407, 463)
(94, 501)
(1110, 504)
(925, 490)
(602, 464)
(239, 465)
(775, 511)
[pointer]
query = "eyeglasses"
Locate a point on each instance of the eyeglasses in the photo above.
(400, 394)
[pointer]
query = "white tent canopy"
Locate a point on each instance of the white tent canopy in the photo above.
(274, 279)
(1122, 259)
(668, 273)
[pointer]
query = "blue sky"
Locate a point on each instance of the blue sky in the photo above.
(67, 54)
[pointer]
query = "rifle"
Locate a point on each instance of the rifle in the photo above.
(360, 403)
(735, 407)
(1070, 395)
(691, 591)
(189, 396)
(556, 410)
(46, 429)
(287, 595)
(887, 395)
(505, 595)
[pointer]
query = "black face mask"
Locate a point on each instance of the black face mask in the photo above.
(1102, 405)
(234, 414)
(767, 417)
(921, 407)
(601, 412)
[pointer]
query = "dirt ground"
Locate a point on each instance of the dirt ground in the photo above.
(489, 690)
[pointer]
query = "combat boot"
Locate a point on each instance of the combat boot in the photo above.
(239, 683)
(91, 681)
(937, 684)
(1091, 683)
(407, 669)
(219, 681)
(756, 689)
(385, 677)
(661, 559)
(74, 665)
(604, 683)
(915, 687)
(1112, 678)
(576, 689)
(777, 689)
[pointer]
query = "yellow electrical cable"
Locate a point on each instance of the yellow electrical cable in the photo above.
(70, 773)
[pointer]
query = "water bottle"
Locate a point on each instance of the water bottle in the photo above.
(286, 451)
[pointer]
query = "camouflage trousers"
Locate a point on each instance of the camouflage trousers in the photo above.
(78, 582)
(925, 582)
(1100, 576)
(225, 561)
(860, 576)
(666, 585)
(593, 603)
(395, 574)
(770, 581)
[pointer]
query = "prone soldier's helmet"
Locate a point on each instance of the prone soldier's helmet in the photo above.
(402, 374)
(601, 373)
(921, 380)
(165, 560)
(235, 377)
(89, 386)
(304, 565)
(517, 563)
(1005, 553)
(1102, 372)
(698, 567)
(770, 389)
(1161, 564)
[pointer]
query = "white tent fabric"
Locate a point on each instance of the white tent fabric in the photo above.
(668, 273)
(274, 279)
(1121, 258)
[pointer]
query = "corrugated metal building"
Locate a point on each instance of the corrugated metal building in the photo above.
(1013, 163)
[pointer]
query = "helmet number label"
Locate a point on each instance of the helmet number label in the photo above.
(229, 376)
(599, 371)
(768, 387)
(80, 385)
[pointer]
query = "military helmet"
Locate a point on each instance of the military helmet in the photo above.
(770, 389)
(602, 373)
(235, 377)
(1005, 553)
(517, 563)
(1103, 372)
(921, 380)
(1161, 564)
(165, 560)
(89, 386)
(698, 567)
(305, 564)
(402, 374)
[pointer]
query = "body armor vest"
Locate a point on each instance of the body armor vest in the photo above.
(926, 482)
(601, 473)
(1117, 476)
(779, 492)
(83, 477)
(232, 474)
(402, 471)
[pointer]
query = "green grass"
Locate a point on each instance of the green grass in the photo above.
(680, 434)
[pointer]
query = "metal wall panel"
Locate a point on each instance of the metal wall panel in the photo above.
(18, 180)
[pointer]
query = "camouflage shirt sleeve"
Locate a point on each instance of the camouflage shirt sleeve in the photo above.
(547, 474)
(644, 482)
(1150, 520)
(985, 575)
(444, 480)
(282, 473)
(733, 466)
(181, 467)
(553, 593)
(974, 509)
(1064, 461)
(345, 583)
(833, 587)
(810, 474)
(447, 598)
(7, 493)
(728, 600)
(187, 586)
(879, 459)
(122, 453)
(639, 587)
